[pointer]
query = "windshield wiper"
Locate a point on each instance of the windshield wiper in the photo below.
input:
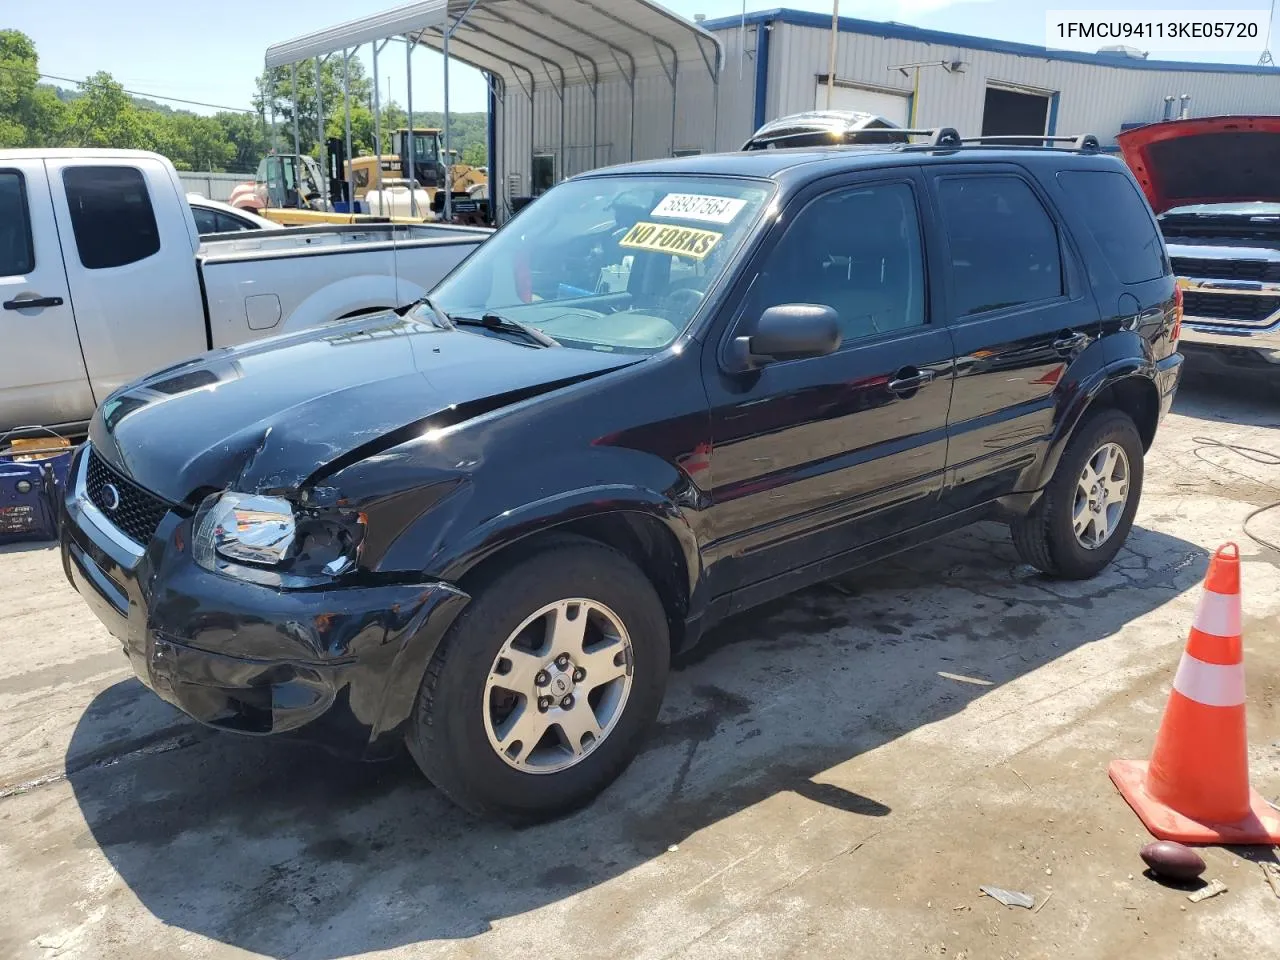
(493, 321)
(441, 318)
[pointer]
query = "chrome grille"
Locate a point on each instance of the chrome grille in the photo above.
(1264, 270)
(134, 511)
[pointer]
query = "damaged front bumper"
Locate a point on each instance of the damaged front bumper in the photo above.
(336, 666)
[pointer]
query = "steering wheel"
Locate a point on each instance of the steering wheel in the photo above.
(686, 300)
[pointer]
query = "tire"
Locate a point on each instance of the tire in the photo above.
(450, 732)
(1046, 537)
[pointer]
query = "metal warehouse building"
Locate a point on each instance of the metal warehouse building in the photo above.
(776, 62)
(578, 84)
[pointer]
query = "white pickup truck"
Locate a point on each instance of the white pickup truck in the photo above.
(103, 278)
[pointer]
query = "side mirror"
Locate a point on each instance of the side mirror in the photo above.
(789, 331)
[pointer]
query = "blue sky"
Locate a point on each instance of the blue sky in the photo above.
(214, 52)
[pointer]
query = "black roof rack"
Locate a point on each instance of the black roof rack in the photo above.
(1083, 141)
(938, 136)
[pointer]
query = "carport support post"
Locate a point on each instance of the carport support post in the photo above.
(448, 160)
(348, 175)
(413, 146)
(293, 96)
(324, 170)
(377, 120)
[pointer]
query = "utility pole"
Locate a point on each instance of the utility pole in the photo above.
(831, 57)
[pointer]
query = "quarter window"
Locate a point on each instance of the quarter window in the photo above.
(206, 220)
(1004, 246)
(111, 215)
(17, 256)
(857, 251)
(1119, 220)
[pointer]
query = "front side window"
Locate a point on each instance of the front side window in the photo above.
(17, 255)
(858, 251)
(111, 215)
(609, 263)
(1004, 246)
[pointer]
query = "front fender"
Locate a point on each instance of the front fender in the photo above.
(510, 527)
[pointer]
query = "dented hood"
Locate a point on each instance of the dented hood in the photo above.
(1205, 160)
(267, 416)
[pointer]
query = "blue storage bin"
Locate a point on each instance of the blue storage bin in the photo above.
(29, 490)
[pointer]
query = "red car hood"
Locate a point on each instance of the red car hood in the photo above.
(1205, 160)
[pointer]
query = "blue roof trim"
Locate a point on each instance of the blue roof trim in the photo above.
(900, 31)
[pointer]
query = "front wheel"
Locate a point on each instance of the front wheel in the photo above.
(1085, 514)
(541, 692)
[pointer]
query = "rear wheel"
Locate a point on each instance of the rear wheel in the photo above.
(1085, 514)
(541, 692)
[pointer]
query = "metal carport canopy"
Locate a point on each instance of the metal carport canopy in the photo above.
(529, 40)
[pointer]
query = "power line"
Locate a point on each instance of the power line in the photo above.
(139, 93)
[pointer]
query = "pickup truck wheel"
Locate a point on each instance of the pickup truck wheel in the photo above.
(541, 692)
(1085, 514)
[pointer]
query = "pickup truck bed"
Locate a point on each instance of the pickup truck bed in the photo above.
(381, 266)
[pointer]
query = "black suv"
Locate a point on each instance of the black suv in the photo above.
(664, 393)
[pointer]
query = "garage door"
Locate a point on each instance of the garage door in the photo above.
(891, 106)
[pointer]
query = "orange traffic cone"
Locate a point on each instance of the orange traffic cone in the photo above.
(1196, 787)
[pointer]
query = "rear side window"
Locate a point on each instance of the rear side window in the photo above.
(229, 224)
(17, 256)
(111, 215)
(1004, 246)
(206, 220)
(1118, 219)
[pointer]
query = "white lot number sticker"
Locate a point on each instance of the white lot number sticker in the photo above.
(691, 206)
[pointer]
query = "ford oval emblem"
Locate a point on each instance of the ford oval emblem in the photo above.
(111, 495)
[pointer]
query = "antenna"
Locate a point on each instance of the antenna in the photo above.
(1265, 60)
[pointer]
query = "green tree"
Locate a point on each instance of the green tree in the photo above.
(31, 115)
(247, 137)
(275, 88)
(105, 116)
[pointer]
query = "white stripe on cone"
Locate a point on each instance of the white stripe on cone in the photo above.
(1210, 684)
(1218, 614)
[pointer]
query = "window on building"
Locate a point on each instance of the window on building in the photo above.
(544, 172)
(111, 215)
(1004, 246)
(17, 255)
(1120, 221)
(857, 251)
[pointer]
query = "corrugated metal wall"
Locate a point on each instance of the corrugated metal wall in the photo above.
(1092, 98)
(607, 125)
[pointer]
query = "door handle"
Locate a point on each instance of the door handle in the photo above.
(1068, 341)
(909, 379)
(24, 303)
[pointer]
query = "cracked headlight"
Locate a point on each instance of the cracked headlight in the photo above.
(244, 528)
(275, 541)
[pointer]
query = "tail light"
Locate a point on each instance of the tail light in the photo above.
(1177, 314)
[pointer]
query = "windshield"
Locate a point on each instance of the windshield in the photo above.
(609, 263)
(425, 148)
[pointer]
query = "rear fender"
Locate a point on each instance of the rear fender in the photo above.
(1105, 380)
(350, 296)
